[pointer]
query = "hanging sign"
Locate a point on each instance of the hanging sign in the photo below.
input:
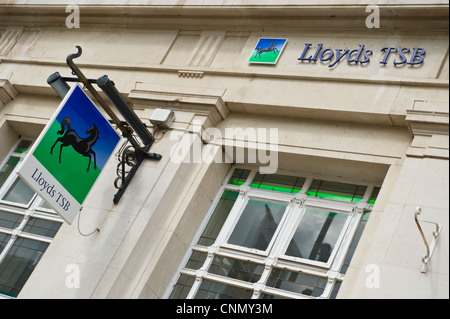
(69, 155)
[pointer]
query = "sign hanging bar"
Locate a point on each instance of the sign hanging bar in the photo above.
(132, 123)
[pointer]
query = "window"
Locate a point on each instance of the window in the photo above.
(27, 225)
(276, 237)
(317, 234)
(257, 224)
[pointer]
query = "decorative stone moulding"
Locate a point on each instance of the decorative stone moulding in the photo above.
(8, 38)
(201, 101)
(190, 74)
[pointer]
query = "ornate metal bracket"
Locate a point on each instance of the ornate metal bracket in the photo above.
(430, 248)
(138, 153)
(126, 131)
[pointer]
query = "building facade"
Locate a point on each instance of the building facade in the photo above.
(305, 139)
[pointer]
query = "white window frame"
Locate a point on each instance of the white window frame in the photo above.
(30, 210)
(301, 210)
(13, 176)
(233, 220)
(274, 256)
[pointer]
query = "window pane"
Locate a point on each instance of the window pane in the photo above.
(374, 196)
(214, 290)
(337, 191)
(280, 183)
(43, 204)
(218, 217)
(19, 192)
(257, 224)
(239, 176)
(237, 269)
(296, 282)
(42, 227)
(10, 220)
(335, 290)
(354, 243)
(23, 146)
(8, 168)
(4, 238)
(316, 234)
(196, 260)
(182, 287)
(18, 265)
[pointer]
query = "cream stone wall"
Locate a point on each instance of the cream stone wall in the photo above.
(389, 264)
(383, 125)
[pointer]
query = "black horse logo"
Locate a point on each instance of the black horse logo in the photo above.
(271, 48)
(81, 145)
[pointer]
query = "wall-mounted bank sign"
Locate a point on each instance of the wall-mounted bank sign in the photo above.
(266, 50)
(69, 155)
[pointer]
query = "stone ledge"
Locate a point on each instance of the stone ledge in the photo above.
(202, 101)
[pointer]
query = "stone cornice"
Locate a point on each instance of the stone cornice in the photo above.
(246, 8)
(249, 13)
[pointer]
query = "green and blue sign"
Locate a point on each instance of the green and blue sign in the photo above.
(267, 51)
(70, 154)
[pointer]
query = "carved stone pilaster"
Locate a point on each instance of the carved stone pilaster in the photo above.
(8, 38)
